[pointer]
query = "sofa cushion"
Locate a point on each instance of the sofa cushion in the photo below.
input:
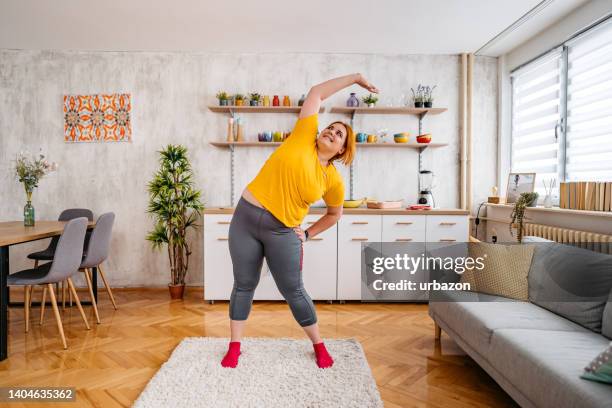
(572, 282)
(476, 321)
(546, 366)
(505, 270)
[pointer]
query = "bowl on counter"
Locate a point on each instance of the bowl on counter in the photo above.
(354, 203)
(401, 137)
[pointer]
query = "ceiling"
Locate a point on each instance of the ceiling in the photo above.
(337, 26)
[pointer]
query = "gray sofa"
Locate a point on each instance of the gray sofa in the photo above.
(537, 350)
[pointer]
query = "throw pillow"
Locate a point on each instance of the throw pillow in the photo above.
(505, 272)
(600, 369)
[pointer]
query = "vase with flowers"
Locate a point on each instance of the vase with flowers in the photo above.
(29, 171)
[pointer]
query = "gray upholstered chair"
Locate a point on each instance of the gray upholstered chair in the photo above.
(47, 254)
(96, 253)
(66, 260)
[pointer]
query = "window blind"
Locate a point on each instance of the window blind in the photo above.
(536, 114)
(589, 106)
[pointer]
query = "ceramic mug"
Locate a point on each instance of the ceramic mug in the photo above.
(267, 136)
(361, 137)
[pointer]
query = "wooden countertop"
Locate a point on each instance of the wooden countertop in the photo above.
(360, 210)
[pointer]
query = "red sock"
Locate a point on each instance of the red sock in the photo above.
(324, 360)
(231, 357)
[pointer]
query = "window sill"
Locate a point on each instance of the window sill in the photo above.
(560, 211)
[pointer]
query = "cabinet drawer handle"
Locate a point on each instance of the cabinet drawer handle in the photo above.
(403, 239)
(315, 239)
(404, 223)
(359, 239)
(223, 222)
(359, 222)
(447, 240)
(448, 223)
(222, 239)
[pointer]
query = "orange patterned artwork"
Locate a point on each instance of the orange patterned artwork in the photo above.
(97, 118)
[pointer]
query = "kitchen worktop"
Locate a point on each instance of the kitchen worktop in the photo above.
(360, 210)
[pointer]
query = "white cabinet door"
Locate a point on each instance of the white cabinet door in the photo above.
(218, 276)
(447, 228)
(320, 262)
(403, 234)
(353, 230)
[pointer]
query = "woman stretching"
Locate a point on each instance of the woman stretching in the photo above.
(266, 222)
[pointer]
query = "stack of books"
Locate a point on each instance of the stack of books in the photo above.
(586, 195)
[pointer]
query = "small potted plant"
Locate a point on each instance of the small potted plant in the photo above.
(223, 98)
(239, 99)
(370, 100)
(428, 96)
(418, 96)
(254, 99)
(518, 213)
(174, 203)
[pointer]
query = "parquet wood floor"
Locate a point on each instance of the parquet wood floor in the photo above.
(110, 364)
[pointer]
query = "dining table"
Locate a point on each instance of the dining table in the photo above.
(13, 233)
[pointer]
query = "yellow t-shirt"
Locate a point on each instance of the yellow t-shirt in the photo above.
(293, 177)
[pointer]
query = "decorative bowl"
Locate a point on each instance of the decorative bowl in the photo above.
(426, 138)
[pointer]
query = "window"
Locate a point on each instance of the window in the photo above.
(562, 111)
(536, 119)
(589, 107)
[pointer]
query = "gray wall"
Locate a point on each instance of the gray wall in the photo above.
(170, 95)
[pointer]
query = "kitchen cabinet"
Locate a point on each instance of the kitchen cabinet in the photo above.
(332, 259)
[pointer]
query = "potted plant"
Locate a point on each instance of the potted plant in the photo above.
(518, 213)
(223, 98)
(418, 96)
(174, 203)
(239, 99)
(370, 100)
(428, 96)
(254, 99)
(29, 172)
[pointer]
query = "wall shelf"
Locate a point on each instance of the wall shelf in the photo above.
(387, 110)
(359, 145)
(351, 111)
(258, 109)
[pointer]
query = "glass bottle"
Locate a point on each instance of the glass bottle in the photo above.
(286, 101)
(230, 130)
(28, 211)
(302, 99)
(266, 100)
(275, 101)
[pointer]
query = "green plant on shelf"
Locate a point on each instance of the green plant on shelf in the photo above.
(255, 97)
(223, 96)
(370, 100)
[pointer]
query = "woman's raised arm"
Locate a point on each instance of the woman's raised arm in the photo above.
(326, 89)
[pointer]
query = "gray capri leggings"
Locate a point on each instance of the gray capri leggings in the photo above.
(255, 233)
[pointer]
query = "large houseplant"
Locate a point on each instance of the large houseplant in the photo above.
(175, 205)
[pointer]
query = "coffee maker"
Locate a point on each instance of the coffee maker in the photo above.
(426, 185)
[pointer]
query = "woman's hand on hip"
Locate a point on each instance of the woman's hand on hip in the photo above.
(300, 233)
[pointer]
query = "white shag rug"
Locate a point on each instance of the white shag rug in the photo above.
(270, 373)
